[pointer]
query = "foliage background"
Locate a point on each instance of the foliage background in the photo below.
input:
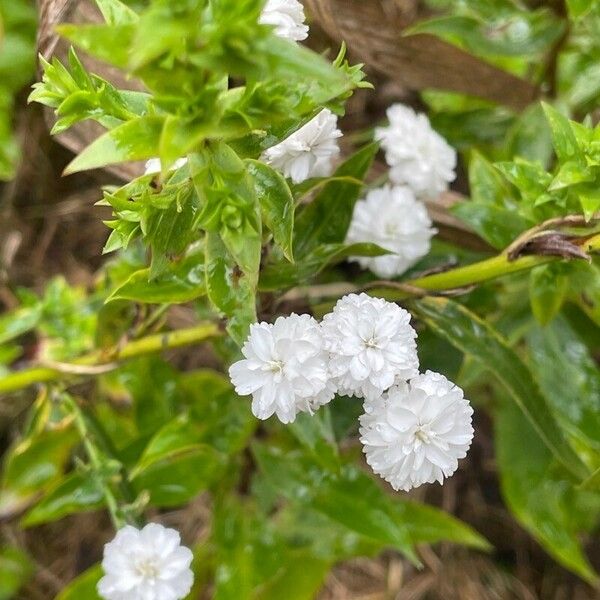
(510, 489)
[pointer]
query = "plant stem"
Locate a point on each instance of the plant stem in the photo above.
(95, 459)
(133, 349)
(454, 279)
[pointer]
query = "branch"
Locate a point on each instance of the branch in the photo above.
(453, 281)
(96, 362)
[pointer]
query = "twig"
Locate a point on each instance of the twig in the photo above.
(98, 359)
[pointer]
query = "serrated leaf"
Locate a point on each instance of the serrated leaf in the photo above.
(137, 139)
(480, 341)
(229, 289)
(182, 282)
(327, 218)
(276, 203)
(565, 142)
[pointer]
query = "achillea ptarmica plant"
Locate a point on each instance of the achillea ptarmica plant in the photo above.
(146, 564)
(395, 220)
(418, 156)
(417, 432)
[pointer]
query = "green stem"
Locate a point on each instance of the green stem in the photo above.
(147, 345)
(461, 277)
(95, 459)
(479, 272)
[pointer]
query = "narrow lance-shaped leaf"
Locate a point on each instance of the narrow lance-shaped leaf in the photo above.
(327, 218)
(540, 496)
(473, 336)
(229, 289)
(137, 139)
(563, 136)
(276, 203)
(116, 13)
(282, 275)
(183, 282)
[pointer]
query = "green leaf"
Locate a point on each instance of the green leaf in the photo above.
(494, 38)
(74, 494)
(84, 586)
(15, 569)
(109, 43)
(350, 498)
(174, 467)
(225, 421)
(116, 13)
(18, 322)
(276, 202)
(530, 137)
(257, 560)
(478, 340)
(548, 288)
(229, 289)
(565, 142)
(327, 218)
(571, 172)
(134, 140)
(33, 465)
(579, 8)
(542, 498)
(495, 224)
(570, 379)
(281, 275)
(181, 282)
(491, 212)
(170, 231)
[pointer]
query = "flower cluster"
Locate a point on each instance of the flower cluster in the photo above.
(285, 368)
(395, 220)
(415, 427)
(417, 432)
(417, 155)
(309, 151)
(393, 217)
(146, 564)
(287, 17)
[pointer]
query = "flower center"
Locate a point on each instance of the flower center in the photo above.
(424, 434)
(147, 568)
(391, 229)
(371, 343)
(275, 366)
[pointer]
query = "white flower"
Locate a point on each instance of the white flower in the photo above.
(285, 368)
(147, 564)
(154, 165)
(417, 432)
(371, 344)
(417, 155)
(394, 219)
(287, 16)
(308, 152)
